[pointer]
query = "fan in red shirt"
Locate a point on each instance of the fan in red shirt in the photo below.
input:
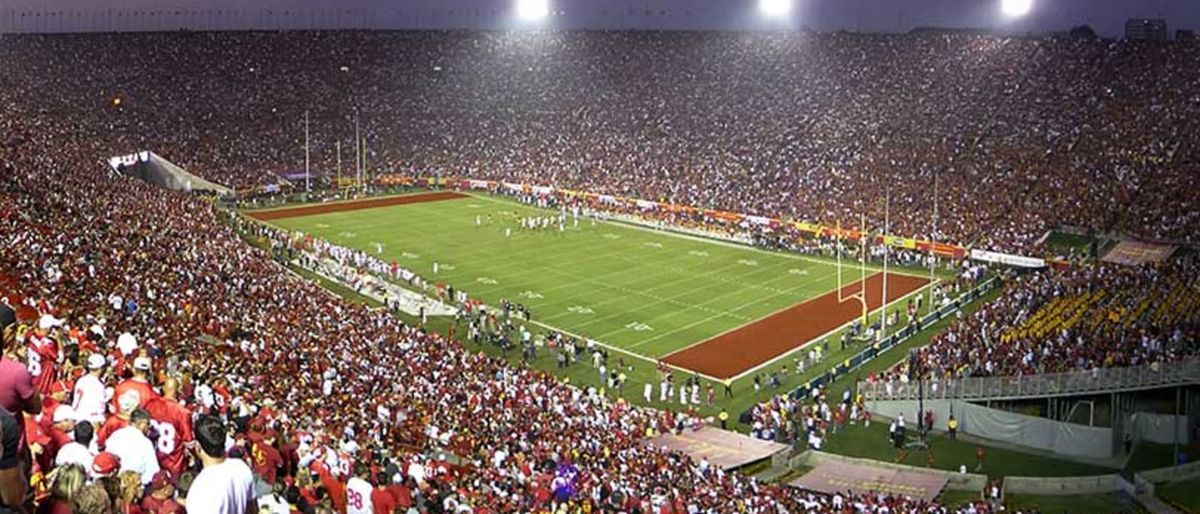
(43, 355)
(382, 501)
(140, 383)
(264, 458)
(173, 422)
(159, 499)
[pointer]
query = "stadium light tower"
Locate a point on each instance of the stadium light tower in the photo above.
(532, 10)
(1016, 8)
(775, 8)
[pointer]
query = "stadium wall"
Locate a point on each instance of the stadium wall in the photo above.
(1107, 17)
(1040, 433)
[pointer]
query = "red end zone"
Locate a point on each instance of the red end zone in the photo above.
(746, 347)
(309, 210)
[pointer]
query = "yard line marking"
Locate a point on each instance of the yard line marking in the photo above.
(793, 351)
(706, 320)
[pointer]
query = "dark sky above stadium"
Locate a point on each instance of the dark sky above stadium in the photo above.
(1107, 17)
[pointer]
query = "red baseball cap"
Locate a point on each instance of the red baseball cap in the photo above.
(60, 387)
(160, 480)
(105, 464)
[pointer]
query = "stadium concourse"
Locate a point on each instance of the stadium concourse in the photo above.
(215, 355)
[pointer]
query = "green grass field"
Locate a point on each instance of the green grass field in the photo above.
(859, 441)
(640, 290)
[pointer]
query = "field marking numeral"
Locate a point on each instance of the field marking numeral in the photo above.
(698, 253)
(447, 267)
(410, 255)
(748, 262)
(579, 309)
(532, 295)
(487, 280)
(347, 234)
(322, 225)
(638, 327)
(654, 245)
(611, 236)
(798, 271)
(474, 206)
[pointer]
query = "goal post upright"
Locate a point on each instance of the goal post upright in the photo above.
(862, 269)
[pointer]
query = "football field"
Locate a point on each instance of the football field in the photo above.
(716, 308)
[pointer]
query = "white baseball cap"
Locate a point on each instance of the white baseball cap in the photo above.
(48, 321)
(96, 361)
(141, 363)
(64, 413)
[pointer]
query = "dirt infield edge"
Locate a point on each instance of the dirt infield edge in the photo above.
(355, 205)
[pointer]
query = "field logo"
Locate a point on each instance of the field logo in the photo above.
(654, 245)
(532, 295)
(611, 236)
(638, 327)
(486, 280)
(579, 309)
(410, 255)
(798, 271)
(748, 262)
(698, 253)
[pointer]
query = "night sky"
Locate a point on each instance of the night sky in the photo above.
(1107, 17)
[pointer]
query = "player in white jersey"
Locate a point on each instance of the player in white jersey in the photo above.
(358, 492)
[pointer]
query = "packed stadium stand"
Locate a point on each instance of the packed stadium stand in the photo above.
(115, 279)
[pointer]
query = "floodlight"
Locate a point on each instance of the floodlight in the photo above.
(1016, 8)
(533, 10)
(775, 8)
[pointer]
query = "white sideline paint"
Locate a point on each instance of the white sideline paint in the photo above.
(728, 244)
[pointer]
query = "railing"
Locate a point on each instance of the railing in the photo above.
(870, 352)
(1093, 381)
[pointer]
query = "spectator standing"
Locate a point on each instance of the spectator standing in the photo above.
(133, 447)
(224, 485)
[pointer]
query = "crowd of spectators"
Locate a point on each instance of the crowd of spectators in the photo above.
(161, 363)
(1022, 134)
(1084, 318)
(216, 356)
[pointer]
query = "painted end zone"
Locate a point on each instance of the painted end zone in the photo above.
(723, 448)
(839, 477)
(354, 205)
(734, 352)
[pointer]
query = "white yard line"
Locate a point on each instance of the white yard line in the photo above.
(789, 353)
(739, 327)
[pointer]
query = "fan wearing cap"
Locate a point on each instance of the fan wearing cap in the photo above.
(44, 354)
(105, 464)
(63, 423)
(161, 497)
(127, 403)
(88, 400)
(51, 403)
(133, 446)
(140, 382)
